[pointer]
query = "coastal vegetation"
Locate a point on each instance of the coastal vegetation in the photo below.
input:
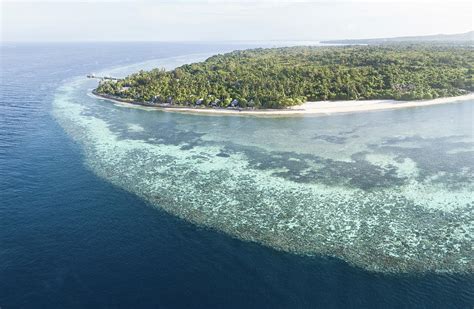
(282, 77)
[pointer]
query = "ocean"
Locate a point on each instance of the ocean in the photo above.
(106, 206)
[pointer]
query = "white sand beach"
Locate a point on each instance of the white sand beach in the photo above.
(308, 108)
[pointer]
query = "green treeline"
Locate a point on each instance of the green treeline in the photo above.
(279, 77)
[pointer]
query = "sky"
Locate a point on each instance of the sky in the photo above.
(228, 20)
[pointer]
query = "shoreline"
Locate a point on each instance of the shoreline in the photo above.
(307, 108)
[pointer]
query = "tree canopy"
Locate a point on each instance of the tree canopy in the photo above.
(281, 77)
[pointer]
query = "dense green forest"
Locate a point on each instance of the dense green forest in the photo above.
(280, 77)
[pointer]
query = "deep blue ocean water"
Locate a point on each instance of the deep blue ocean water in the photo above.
(69, 239)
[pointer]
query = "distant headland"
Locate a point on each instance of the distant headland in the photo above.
(458, 38)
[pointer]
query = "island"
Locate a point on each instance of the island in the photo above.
(287, 78)
(446, 39)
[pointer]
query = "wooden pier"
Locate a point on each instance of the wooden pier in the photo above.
(102, 77)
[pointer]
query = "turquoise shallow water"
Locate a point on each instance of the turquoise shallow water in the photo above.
(368, 210)
(387, 191)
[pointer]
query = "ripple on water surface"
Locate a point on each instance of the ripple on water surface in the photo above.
(384, 199)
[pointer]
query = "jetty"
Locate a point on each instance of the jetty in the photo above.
(102, 77)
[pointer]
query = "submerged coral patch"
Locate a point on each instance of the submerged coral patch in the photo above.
(386, 207)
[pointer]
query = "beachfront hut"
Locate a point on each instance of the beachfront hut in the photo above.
(215, 103)
(199, 102)
(156, 99)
